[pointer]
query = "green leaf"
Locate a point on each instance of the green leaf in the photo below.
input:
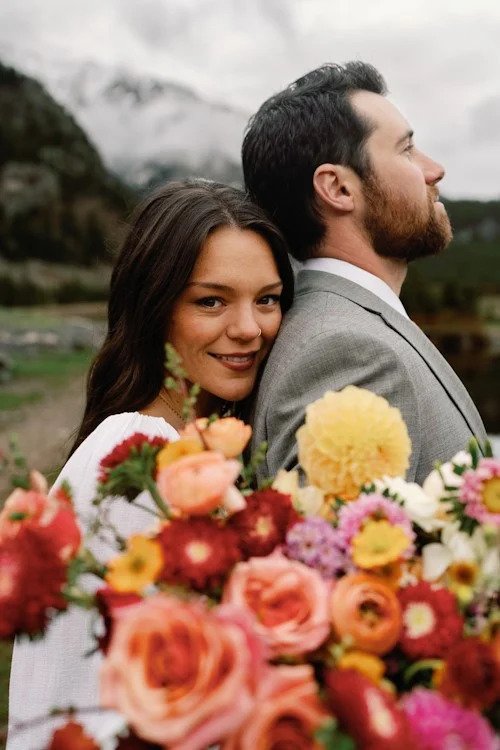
(330, 736)
(474, 451)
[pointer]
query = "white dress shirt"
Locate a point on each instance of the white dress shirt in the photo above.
(359, 276)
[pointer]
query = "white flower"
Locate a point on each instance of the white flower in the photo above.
(308, 500)
(457, 546)
(444, 476)
(421, 508)
(437, 557)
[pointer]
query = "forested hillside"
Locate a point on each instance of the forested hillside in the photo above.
(58, 202)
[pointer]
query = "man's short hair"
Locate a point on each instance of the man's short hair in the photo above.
(311, 122)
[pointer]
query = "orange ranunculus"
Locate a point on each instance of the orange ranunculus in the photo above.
(182, 676)
(287, 713)
(288, 601)
(229, 435)
(197, 484)
(363, 607)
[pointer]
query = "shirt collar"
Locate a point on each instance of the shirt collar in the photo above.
(359, 276)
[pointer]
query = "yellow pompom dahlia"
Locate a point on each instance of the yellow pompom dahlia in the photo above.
(352, 437)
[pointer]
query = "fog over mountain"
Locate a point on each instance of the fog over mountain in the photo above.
(145, 128)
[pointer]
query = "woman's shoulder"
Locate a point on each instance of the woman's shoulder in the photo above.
(81, 467)
(121, 426)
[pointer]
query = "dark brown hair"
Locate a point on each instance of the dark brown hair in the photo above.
(156, 260)
(311, 122)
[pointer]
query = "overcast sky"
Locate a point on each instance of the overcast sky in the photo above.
(441, 58)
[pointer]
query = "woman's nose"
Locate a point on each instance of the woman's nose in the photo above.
(243, 325)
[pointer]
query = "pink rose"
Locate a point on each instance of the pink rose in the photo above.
(229, 435)
(197, 484)
(50, 516)
(182, 676)
(288, 601)
(287, 713)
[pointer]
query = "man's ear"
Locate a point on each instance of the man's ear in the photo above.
(334, 185)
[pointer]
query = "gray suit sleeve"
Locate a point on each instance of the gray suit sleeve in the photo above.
(331, 361)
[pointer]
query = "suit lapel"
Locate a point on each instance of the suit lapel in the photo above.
(310, 281)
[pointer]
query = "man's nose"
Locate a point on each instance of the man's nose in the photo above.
(433, 171)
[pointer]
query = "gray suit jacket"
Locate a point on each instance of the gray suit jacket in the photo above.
(336, 334)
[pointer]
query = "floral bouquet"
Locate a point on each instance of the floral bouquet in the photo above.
(341, 609)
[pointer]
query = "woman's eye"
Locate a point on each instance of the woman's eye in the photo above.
(269, 299)
(211, 303)
(409, 148)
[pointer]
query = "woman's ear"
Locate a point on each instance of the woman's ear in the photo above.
(334, 186)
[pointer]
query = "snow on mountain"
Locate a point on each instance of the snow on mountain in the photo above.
(142, 126)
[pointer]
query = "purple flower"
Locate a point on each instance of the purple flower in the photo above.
(439, 724)
(314, 543)
(353, 515)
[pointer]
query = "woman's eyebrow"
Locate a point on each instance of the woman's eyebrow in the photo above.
(225, 288)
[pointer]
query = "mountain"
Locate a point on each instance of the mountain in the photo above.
(146, 129)
(58, 201)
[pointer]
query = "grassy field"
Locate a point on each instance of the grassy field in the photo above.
(36, 378)
(5, 651)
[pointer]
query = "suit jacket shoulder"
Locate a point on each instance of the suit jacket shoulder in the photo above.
(338, 333)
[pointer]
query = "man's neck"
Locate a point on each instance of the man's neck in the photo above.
(359, 253)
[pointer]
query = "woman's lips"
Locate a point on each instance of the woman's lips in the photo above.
(237, 362)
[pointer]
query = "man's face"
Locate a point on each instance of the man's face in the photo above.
(401, 213)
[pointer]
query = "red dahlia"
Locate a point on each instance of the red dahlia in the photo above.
(366, 712)
(32, 575)
(125, 450)
(198, 552)
(263, 524)
(431, 621)
(471, 674)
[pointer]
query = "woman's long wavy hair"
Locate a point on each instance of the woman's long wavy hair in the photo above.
(156, 260)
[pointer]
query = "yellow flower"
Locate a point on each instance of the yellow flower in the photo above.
(178, 449)
(461, 578)
(352, 437)
(137, 567)
(491, 494)
(368, 664)
(378, 543)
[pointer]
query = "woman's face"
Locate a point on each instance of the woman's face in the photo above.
(232, 295)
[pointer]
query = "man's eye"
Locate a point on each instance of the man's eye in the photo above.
(410, 147)
(269, 299)
(210, 302)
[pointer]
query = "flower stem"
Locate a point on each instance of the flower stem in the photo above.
(160, 504)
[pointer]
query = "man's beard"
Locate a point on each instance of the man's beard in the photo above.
(397, 230)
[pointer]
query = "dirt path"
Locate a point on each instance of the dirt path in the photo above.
(44, 429)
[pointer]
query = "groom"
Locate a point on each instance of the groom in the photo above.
(334, 163)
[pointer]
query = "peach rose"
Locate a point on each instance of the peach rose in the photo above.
(229, 435)
(287, 713)
(288, 601)
(182, 676)
(197, 484)
(365, 608)
(52, 517)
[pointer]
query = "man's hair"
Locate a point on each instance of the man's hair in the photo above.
(311, 122)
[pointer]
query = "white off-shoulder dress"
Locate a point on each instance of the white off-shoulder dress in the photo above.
(54, 672)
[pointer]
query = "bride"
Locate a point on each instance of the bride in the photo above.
(203, 268)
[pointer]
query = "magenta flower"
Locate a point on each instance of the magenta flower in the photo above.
(353, 515)
(480, 492)
(438, 723)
